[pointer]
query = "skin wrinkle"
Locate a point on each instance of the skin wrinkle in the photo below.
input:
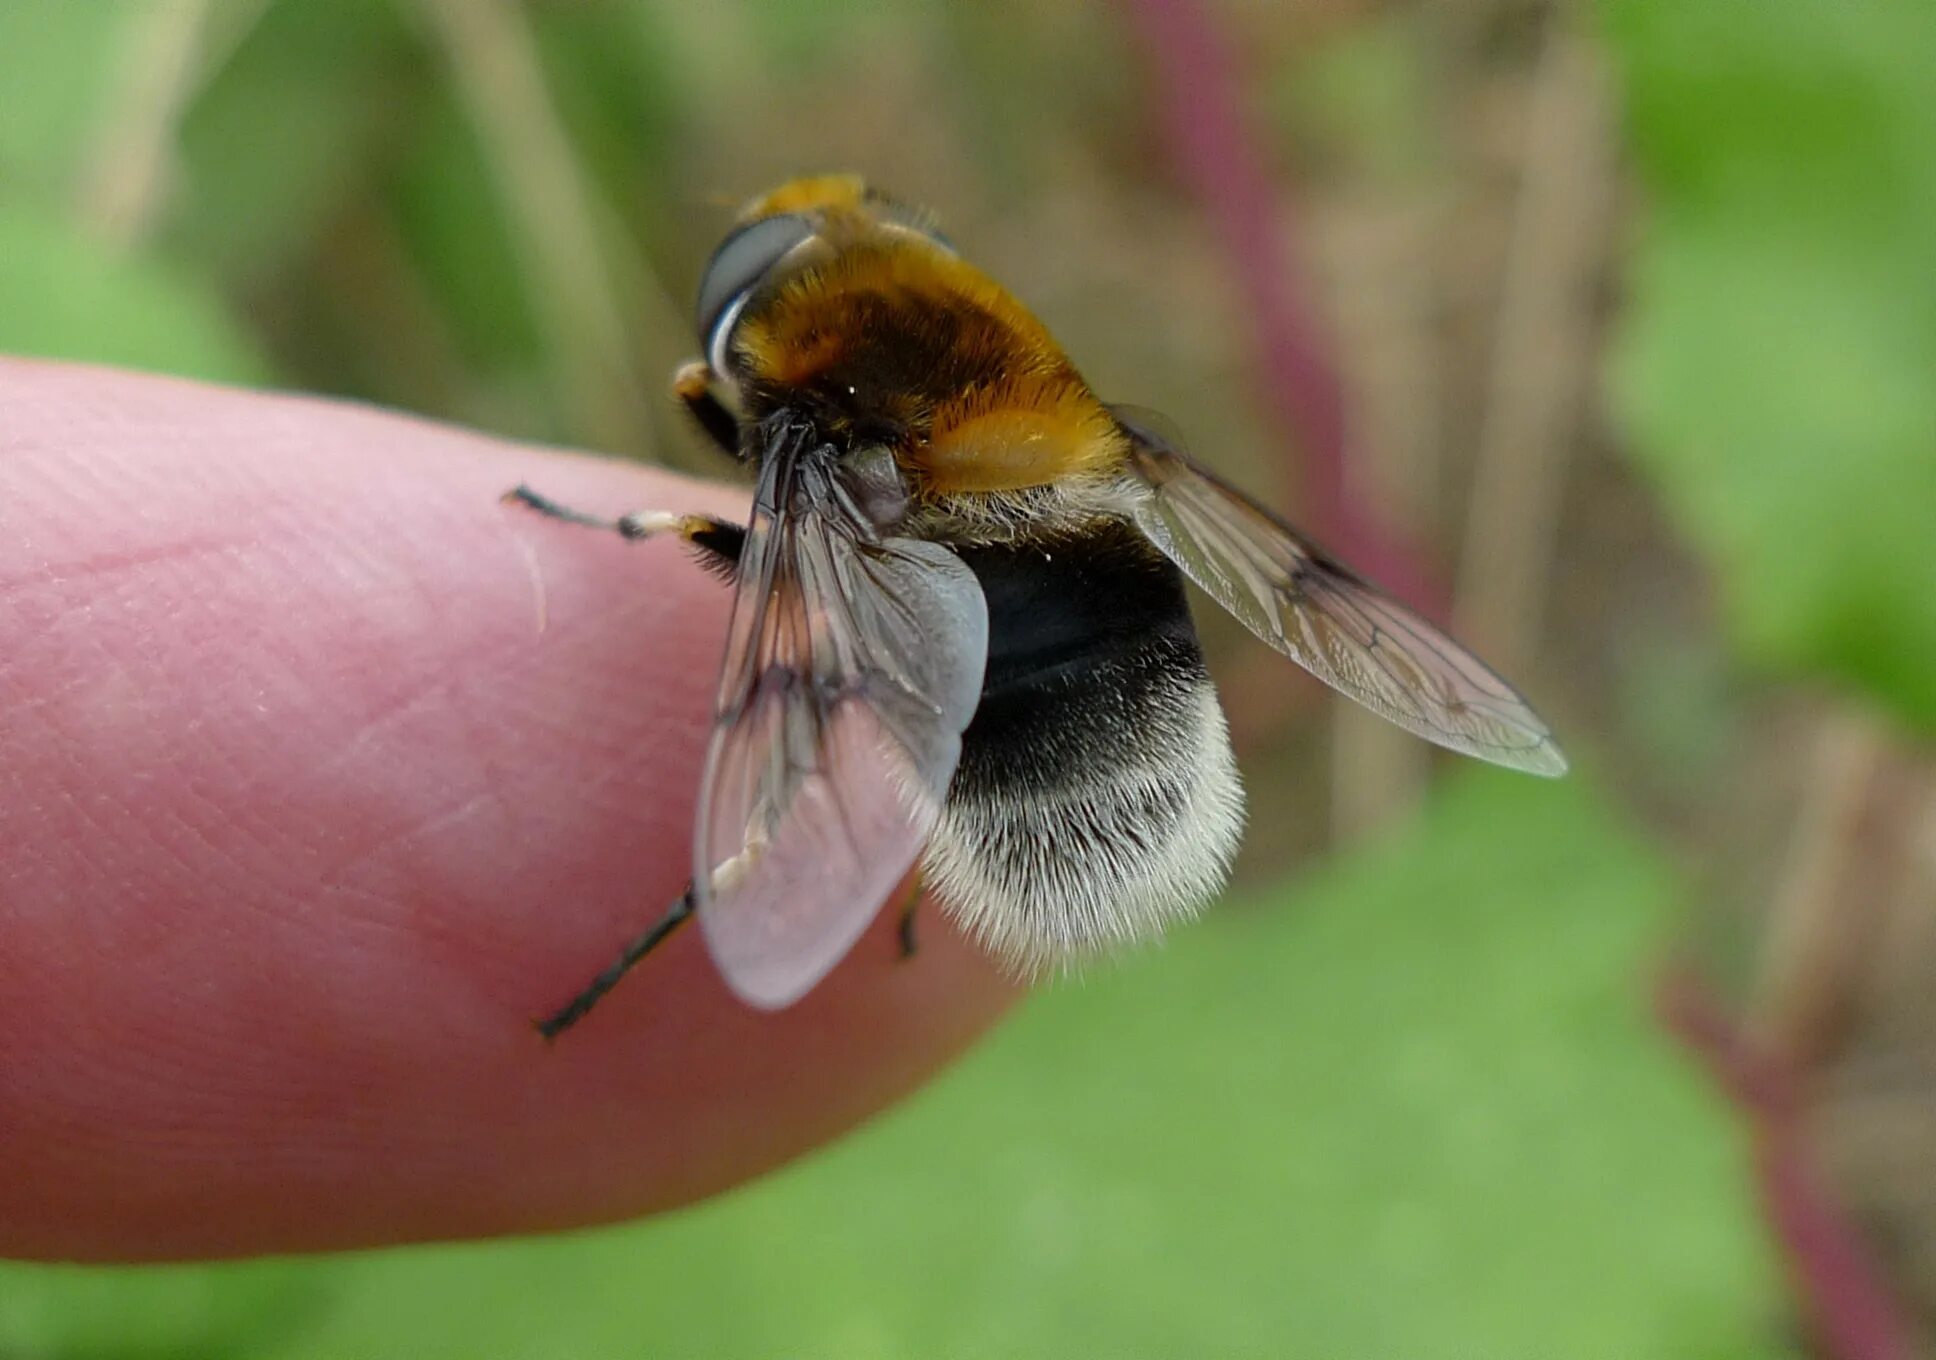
(83, 571)
(299, 838)
(402, 839)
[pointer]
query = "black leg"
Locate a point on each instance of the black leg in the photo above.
(718, 541)
(560, 1021)
(693, 385)
(905, 932)
(544, 505)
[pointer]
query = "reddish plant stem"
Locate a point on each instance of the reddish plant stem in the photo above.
(1750, 1077)
(1851, 1313)
(1220, 158)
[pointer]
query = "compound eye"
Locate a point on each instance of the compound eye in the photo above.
(738, 266)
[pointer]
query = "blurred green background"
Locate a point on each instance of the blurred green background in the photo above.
(1634, 308)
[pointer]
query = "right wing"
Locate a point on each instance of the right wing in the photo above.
(1327, 618)
(853, 664)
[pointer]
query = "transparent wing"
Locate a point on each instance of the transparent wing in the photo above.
(853, 663)
(1347, 633)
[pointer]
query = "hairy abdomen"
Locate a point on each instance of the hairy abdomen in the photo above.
(1097, 799)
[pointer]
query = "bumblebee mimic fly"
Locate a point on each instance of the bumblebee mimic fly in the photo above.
(959, 632)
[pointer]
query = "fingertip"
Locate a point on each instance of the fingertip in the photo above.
(334, 769)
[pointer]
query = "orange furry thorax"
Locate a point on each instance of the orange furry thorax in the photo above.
(907, 342)
(812, 193)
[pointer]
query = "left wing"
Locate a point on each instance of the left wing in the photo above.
(1329, 620)
(853, 664)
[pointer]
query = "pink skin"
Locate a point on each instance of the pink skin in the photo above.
(322, 774)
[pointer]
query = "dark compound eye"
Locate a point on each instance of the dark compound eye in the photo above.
(741, 262)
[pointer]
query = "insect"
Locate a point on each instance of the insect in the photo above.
(959, 632)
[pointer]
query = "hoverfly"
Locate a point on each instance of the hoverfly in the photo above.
(959, 631)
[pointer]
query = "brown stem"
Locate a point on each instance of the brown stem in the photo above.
(1542, 357)
(1820, 931)
(573, 273)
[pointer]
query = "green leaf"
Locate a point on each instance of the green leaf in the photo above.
(65, 296)
(76, 1313)
(296, 124)
(1777, 369)
(1415, 1108)
(57, 64)
(449, 216)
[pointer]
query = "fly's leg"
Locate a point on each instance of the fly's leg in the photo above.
(719, 544)
(904, 931)
(718, 541)
(575, 1010)
(693, 384)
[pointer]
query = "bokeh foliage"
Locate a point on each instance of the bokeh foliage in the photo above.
(1778, 367)
(1410, 1105)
